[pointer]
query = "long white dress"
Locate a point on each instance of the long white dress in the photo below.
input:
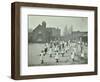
(72, 55)
(56, 56)
(82, 55)
(41, 56)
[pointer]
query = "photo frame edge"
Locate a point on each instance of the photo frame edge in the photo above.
(15, 43)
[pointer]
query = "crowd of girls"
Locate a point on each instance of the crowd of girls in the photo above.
(57, 49)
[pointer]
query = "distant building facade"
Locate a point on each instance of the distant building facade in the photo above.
(42, 34)
(76, 35)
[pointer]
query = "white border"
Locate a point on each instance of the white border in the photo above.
(37, 70)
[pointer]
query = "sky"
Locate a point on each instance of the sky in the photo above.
(78, 23)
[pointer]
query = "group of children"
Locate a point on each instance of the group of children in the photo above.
(57, 49)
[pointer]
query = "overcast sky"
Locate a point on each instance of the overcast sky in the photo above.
(78, 23)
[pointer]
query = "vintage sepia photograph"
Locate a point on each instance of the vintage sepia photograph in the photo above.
(57, 40)
(53, 40)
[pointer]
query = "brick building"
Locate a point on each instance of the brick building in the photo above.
(42, 34)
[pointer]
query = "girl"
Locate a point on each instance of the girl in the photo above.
(42, 57)
(72, 56)
(56, 57)
(50, 52)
